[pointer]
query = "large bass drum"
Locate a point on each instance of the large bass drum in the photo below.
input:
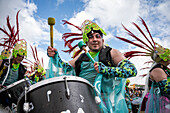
(11, 93)
(59, 94)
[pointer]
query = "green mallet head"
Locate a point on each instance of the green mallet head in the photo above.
(81, 44)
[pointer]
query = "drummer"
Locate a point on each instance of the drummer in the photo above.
(13, 62)
(37, 75)
(36, 71)
(110, 62)
(15, 50)
(17, 69)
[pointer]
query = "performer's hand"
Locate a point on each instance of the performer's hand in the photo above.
(51, 51)
(96, 66)
(100, 67)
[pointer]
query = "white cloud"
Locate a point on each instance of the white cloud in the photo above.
(111, 13)
(59, 2)
(164, 8)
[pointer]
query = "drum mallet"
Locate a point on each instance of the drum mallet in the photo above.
(51, 22)
(82, 46)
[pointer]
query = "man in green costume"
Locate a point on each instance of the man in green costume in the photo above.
(110, 62)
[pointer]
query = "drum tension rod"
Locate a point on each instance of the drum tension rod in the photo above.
(67, 89)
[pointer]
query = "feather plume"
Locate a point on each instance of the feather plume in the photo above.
(145, 68)
(71, 40)
(76, 36)
(143, 34)
(8, 24)
(11, 40)
(71, 49)
(131, 34)
(143, 22)
(66, 35)
(131, 53)
(36, 55)
(66, 22)
(33, 53)
(128, 41)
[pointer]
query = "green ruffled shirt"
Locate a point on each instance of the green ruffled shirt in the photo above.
(88, 71)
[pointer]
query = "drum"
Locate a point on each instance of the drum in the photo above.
(11, 93)
(135, 104)
(59, 94)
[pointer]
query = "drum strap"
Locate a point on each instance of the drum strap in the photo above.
(4, 67)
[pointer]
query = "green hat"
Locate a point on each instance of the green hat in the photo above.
(87, 27)
(20, 48)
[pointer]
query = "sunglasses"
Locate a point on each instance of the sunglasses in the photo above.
(20, 55)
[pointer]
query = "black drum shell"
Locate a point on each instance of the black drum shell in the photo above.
(81, 96)
(11, 93)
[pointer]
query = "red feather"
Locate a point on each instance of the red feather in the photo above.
(3, 30)
(143, 22)
(66, 35)
(8, 24)
(131, 34)
(33, 53)
(77, 53)
(143, 75)
(148, 62)
(71, 49)
(145, 68)
(37, 60)
(142, 34)
(130, 53)
(42, 62)
(66, 22)
(71, 40)
(128, 41)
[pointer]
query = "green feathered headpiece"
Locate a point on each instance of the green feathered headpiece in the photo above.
(87, 27)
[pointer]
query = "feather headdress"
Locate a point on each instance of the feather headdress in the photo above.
(86, 27)
(154, 50)
(12, 41)
(37, 65)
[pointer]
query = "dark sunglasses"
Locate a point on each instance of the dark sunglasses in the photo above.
(20, 55)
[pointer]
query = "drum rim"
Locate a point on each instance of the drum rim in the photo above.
(58, 79)
(14, 84)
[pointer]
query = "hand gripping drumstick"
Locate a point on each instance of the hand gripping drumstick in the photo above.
(51, 22)
(82, 46)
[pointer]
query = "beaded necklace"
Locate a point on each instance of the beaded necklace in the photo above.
(15, 66)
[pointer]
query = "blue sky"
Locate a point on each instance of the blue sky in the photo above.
(108, 14)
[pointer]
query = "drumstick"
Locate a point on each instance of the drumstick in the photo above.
(51, 22)
(82, 46)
